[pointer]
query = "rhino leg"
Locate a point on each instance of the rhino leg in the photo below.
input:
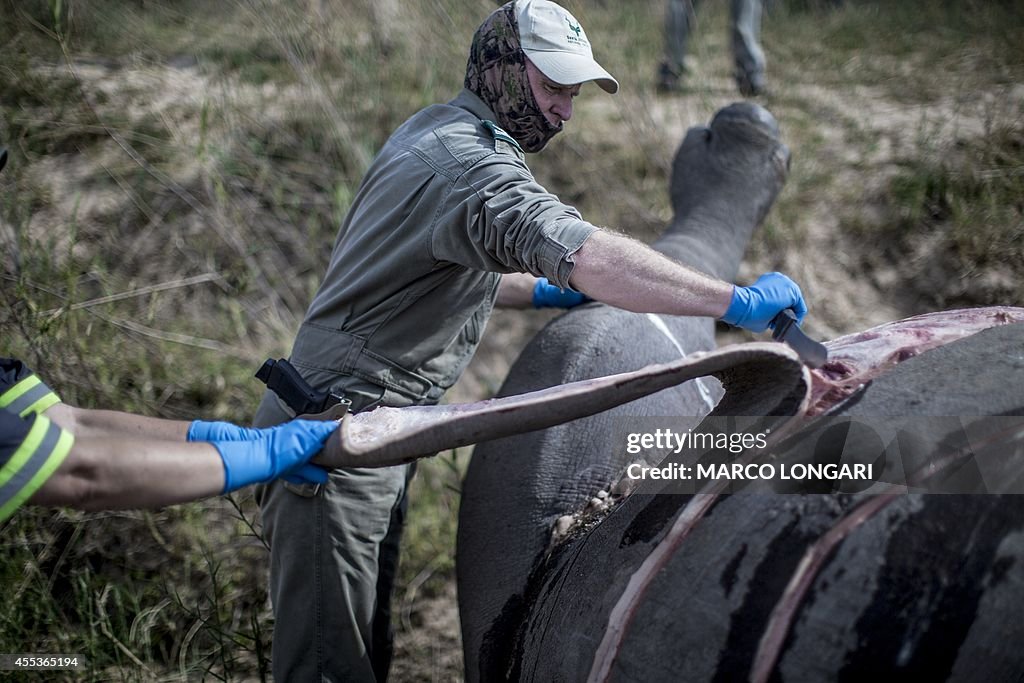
(725, 178)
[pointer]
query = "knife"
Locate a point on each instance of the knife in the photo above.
(785, 329)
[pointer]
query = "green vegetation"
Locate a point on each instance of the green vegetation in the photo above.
(967, 201)
(179, 169)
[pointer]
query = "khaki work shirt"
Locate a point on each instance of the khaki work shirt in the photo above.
(447, 205)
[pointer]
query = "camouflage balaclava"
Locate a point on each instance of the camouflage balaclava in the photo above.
(496, 73)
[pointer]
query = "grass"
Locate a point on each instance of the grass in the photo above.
(101, 585)
(179, 169)
(916, 51)
(967, 198)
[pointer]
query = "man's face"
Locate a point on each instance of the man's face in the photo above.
(554, 99)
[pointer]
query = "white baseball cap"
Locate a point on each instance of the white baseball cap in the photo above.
(558, 46)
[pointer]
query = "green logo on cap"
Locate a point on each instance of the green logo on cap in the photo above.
(575, 29)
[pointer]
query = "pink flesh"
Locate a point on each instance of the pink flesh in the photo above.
(858, 358)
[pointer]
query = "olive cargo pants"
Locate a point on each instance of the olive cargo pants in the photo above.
(333, 561)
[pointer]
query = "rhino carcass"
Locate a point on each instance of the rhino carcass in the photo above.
(562, 577)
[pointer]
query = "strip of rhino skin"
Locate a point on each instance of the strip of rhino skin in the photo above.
(391, 436)
(770, 645)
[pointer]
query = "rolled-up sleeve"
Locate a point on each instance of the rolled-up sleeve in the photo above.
(498, 218)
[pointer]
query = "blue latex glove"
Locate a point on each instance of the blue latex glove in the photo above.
(753, 307)
(546, 295)
(282, 451)
(201, 430)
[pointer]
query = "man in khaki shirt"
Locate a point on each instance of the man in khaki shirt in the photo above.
(448, 222)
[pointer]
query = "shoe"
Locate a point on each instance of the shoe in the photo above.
(669, 80)
(750, 85)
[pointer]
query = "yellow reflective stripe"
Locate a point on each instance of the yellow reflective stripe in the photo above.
(15, 392)
(51, 399)
(60, 451)
(25, 450)
(28, 396)
(42, 430)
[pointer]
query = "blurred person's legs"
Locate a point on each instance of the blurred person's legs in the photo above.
(746, 48)
(745, 35)
(679, 18)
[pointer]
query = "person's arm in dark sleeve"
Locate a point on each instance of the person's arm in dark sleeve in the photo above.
(23, 393)
(115, 462)
(110, 473)
(32, 449)
(43, 464)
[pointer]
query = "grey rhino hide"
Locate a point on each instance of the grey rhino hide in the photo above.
(928, 586)
(725, 178)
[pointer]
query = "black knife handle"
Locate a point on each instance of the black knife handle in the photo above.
(781, 322)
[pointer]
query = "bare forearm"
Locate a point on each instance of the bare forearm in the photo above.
(625, 273)
(86, 422)
(121, 473)
(515, 290)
